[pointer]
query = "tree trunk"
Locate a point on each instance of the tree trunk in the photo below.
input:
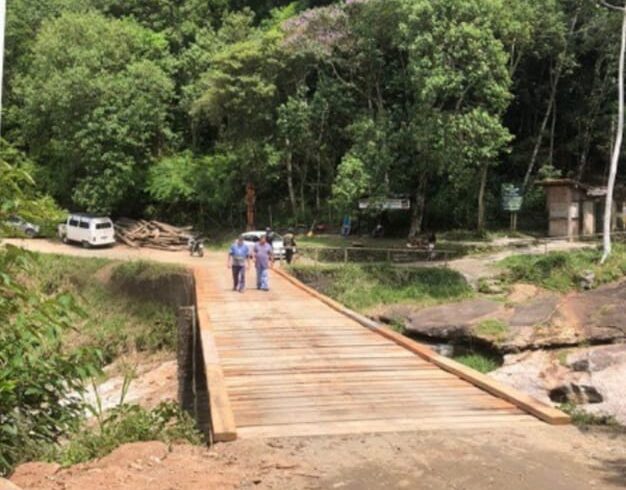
(608, 208)
(303, 197)
(417, 212)
(292, 193)
(552, 131)
(318, 184)
(250, 206)
(597, 96)
(544, 122)
(481, 198)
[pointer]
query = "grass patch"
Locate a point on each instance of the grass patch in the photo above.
(141, 270)
(479, 362)
(115, 323)
(364, 286)
(493, 328)
(562, 271)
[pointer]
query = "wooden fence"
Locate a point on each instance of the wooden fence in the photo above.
(374, 255)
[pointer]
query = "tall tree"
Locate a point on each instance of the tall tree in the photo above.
(617, 147)
(93, 108)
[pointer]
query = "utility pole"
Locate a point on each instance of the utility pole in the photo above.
(3, 11)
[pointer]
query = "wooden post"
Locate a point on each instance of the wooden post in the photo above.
(345, 255)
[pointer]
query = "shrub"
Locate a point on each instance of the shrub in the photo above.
(125, 424)
(39, 379)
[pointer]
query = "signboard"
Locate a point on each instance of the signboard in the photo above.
(511, 198)
(397, 204)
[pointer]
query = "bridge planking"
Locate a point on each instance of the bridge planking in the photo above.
(290, 362)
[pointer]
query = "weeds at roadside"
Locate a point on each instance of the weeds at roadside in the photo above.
(125, 423)
(586, 420)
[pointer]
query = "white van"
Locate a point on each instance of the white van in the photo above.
(89, 230)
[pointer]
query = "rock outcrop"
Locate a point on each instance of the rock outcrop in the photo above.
(542, 319)
(592, 377)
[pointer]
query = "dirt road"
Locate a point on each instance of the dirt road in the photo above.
(556, 458)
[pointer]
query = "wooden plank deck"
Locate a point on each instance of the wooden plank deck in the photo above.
(286, 363)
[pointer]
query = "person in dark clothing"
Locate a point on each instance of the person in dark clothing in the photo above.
(289, 241)
(269, 235)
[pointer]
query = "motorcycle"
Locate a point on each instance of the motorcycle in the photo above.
(196, 246)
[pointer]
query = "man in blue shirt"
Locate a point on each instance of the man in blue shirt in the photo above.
(238, 259)
(263, 259)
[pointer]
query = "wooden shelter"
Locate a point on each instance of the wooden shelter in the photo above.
(576, 209)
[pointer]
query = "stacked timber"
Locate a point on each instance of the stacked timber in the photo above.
(152, 234)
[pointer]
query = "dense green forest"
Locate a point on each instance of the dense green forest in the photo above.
(170, 108)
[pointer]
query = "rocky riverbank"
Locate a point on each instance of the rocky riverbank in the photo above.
(561, 348)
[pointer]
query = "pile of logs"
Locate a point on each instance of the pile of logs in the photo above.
(151, 234)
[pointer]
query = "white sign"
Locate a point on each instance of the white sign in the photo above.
(389, 203)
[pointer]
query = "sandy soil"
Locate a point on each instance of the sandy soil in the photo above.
(547, 458)
(556, 458)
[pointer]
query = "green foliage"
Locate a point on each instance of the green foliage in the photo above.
(171, 108)
(94, 107)
(167, 422)
(40, 378)
(496, 329)
(365, 286)
(479, 362)
(351, 183)
(562, 271)
(18, 192)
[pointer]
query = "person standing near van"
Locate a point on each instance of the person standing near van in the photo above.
(263, 261)
(238, 261)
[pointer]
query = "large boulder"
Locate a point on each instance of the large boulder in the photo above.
(447, 322)
(538, 319)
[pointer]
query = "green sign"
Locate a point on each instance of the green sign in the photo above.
(511, 198)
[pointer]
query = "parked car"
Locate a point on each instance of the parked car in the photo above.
(250, 238)
(88, 230)
(21, 225)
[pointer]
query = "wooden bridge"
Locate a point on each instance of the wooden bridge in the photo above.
(291, 362)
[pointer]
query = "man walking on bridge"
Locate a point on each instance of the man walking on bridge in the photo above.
(264, 260)
(238, 261)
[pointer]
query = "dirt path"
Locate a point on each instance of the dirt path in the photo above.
(544, 458)
(558, 458)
